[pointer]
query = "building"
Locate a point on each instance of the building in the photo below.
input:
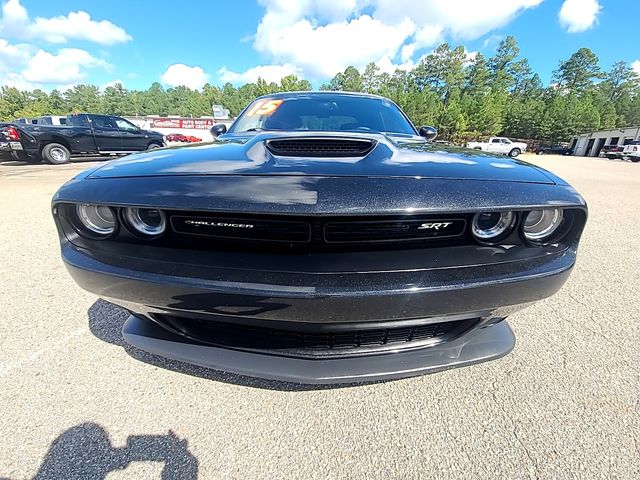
(219, 112)
(590, 144)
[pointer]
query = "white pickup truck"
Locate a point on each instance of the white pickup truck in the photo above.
(632, 151)
(499, 145)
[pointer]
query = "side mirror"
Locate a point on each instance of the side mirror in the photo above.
(428, 132)
(218, 129)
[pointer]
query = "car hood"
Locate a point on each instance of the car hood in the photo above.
(389, 157)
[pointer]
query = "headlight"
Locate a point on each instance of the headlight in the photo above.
(98, 219)
(541, 224)
(491, 226)
(149, 222)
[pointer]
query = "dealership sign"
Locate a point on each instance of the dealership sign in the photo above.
(192, 123)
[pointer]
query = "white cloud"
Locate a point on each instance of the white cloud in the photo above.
(12, 56)
(579, 15)
(180, 74)
(323, 37)
(74, 26)
(462, 19)
(16, 80)
(636, 66)
(269, 73)
(25, 67)
(63, 68)
(322, 51)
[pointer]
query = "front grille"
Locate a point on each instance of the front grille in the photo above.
(242, 228)
(218, 230)
(392, 230)
(309, 343)
(320, 147)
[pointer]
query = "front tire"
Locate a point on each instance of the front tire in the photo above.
(515, 152)
(540, 152)
(634, 159)
(153, 146)
(56, 154)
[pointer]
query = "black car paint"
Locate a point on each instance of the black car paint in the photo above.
(350, 289)
(391, 157)
(84, 137)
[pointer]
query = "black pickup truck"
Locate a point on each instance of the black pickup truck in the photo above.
(83, 133)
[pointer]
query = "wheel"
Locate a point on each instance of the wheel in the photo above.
(514, 153)
(153, 146)
(56, 154)
(477, 148)
(540, 152)
(634, 159)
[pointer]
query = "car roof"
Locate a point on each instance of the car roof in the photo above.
(318, 93)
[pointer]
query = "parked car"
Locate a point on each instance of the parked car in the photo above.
(176, 137)
(554, 150)
(320, 240)
(500, 145)
(632, 151)
(612, 152)
(83, 133)
(192, 139)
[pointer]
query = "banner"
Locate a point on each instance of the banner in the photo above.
(192, 123)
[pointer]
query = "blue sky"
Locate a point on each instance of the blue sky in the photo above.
(46, 44)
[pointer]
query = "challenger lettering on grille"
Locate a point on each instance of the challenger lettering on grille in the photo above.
(205, 223)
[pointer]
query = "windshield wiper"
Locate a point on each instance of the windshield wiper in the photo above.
(254, 129)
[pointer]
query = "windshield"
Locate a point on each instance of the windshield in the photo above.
(342, 113)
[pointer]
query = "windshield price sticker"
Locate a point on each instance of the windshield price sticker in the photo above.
(264, 108)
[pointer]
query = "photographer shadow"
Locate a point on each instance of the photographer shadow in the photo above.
(85, 452)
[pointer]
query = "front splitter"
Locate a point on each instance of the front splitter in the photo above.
(480, 345)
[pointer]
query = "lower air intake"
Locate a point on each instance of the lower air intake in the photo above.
(325, 342)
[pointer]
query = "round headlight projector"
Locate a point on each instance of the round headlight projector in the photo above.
(491, 226)
(541, 224)
(97, 219)
(148, 222)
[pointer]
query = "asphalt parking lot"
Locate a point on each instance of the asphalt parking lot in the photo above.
(75, 402)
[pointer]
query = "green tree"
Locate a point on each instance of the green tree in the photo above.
(291, 83)
(577, 74)
(349, 81)
(371, 80)
(83, 98)
(114, 100)
(463, 98)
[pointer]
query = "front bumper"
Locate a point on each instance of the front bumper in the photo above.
(320, 301)
(8, 150)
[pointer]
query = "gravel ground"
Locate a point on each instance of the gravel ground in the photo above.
(76, 403)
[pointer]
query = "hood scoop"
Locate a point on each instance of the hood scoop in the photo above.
(320, 147)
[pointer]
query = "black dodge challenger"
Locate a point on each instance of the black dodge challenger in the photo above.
(322, 239)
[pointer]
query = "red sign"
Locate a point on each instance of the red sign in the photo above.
(192, 123)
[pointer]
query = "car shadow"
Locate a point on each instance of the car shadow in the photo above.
(106, 321)
(85, 451)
